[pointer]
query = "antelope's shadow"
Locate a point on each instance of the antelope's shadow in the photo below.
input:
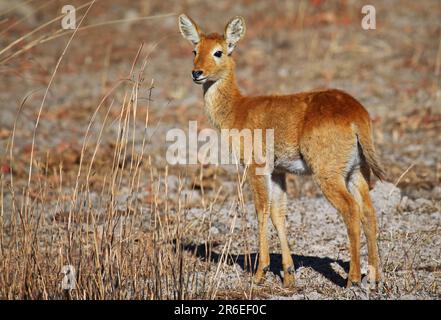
(248, 262)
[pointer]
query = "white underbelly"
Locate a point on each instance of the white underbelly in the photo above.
(297, 166)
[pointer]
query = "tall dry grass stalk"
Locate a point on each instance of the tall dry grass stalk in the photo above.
(139, 251)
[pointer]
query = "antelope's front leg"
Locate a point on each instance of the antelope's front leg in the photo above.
(278, 214)
(259, 185)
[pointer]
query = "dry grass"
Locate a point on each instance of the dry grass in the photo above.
(131, 253)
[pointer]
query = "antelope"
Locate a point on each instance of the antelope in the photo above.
(326, 134)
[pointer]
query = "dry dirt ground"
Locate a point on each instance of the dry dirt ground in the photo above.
(102, 197)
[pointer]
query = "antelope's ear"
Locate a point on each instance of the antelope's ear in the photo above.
(234, 31)
(189, 29)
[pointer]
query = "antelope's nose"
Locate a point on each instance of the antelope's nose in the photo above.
(196, 73)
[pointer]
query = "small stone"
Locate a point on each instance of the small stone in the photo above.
(421, 202)
(386, 197)
(213, 230)
(172, 182)
(404, 202)
(437, 192)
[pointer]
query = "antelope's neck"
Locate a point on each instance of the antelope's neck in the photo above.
(221, 98)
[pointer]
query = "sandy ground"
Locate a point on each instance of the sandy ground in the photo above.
(409, 241)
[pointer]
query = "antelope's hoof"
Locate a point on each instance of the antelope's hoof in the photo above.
(259, 277)
(289, 278)
(371, 284)
(353, 284)
(289, 281)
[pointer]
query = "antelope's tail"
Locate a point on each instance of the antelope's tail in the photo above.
(365, 140)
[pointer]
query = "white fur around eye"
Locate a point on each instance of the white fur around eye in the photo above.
(214, 51)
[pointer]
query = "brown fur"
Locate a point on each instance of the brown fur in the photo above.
(328, 130)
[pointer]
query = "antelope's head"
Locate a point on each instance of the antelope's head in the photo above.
(212, 52)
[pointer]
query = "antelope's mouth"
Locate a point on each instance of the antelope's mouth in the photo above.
(200, 80)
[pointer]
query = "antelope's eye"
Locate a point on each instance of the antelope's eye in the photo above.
(218, 54)
(194, 52)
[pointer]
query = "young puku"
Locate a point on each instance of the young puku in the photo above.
(326, 134)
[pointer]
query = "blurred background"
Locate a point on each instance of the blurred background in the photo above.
(290, 46)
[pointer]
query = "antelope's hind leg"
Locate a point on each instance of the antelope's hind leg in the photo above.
(278, 214)
(334, 189)
(331, 175)
(359, 187)
(331, 160)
